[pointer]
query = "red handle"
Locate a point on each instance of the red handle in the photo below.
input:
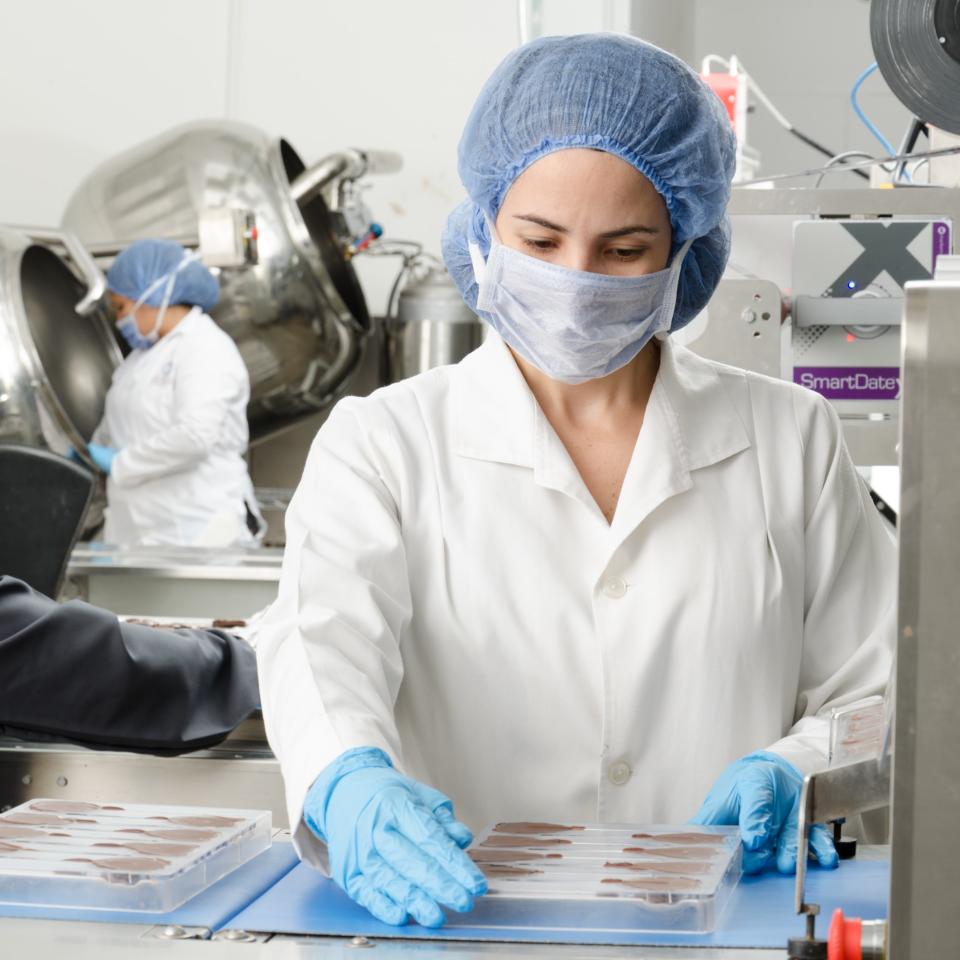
(845, 938)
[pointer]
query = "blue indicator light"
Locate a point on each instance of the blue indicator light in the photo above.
(851, 284)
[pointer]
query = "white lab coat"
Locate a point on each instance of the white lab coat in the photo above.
(452, 594)
(177, 414)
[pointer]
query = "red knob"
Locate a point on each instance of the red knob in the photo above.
(845, 938)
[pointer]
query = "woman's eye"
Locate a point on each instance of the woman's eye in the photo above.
(540, 245)
(626, 254)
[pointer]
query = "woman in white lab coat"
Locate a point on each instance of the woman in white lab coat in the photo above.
(584, 574)
(174, 431)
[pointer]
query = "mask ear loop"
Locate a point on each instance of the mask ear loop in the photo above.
(676, 266)
(476, 257)
(479, 264)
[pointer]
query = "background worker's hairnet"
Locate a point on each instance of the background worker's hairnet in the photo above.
(612, 93)
(145, 262)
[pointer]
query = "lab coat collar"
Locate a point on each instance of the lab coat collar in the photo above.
(185, 325)
(494, 410)
(691, 422)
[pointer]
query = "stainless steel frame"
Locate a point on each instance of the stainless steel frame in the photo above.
(840, 792)
(925, 888)
(187, 581)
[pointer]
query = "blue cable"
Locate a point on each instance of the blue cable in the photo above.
(858, 110)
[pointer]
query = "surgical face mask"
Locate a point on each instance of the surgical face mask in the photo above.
(127, 324)
(128, 329)
(573, 326)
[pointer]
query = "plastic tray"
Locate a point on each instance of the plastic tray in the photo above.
(857, 731)
(604, 877)
(121, 856)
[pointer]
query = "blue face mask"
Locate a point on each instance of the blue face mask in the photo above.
(572, 325)
(128, 329)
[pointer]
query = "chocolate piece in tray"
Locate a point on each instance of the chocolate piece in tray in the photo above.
(498, 870)
(510, 856)
(530, 843)
(676, 853)
(11, 831)
(707, 839)
(184, 834)
(200, 821)
(63, 806)
(684, 868)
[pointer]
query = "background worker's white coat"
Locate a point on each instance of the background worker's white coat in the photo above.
(452, 594)
(178, 415)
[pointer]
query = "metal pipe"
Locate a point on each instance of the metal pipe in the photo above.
(324, 172)
(348, 164)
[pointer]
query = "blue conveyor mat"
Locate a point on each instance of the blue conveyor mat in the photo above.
(211, 909)
(760, 912)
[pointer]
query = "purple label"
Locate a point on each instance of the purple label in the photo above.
(941, 242)
(850, 383)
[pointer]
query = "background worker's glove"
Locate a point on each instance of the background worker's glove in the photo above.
(102, 456)
(760, 793)
(394, 844)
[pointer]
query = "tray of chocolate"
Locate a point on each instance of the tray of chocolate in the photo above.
(120, 856)
(604, 876)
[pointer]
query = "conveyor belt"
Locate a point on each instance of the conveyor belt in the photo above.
(760, 913)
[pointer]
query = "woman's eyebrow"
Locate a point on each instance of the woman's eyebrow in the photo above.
(540, 222)
(609, 235)
(624, 231)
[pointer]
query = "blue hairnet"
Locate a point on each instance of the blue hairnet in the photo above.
(612, 93)
(145, 262)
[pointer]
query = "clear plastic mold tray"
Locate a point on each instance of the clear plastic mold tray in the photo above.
(139, 857)
(604, 877)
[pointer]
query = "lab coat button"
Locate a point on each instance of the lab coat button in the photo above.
(615, 588)
(619, 773)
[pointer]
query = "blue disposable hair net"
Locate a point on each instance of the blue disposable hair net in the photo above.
(612, 93)
(145, 263)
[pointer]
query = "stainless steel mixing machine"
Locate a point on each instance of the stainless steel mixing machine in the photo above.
(298, 313)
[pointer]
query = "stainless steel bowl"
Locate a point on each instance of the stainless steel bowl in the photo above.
(55, 364)
(433, 326)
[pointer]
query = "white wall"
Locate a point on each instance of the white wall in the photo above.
(80, 81)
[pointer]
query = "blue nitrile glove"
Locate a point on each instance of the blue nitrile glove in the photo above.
(394, 844)
(75, 457)
(761, 794)
(102, 456)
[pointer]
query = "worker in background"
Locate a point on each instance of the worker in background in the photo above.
(174, 431)
(74, 672)
(584, 574)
